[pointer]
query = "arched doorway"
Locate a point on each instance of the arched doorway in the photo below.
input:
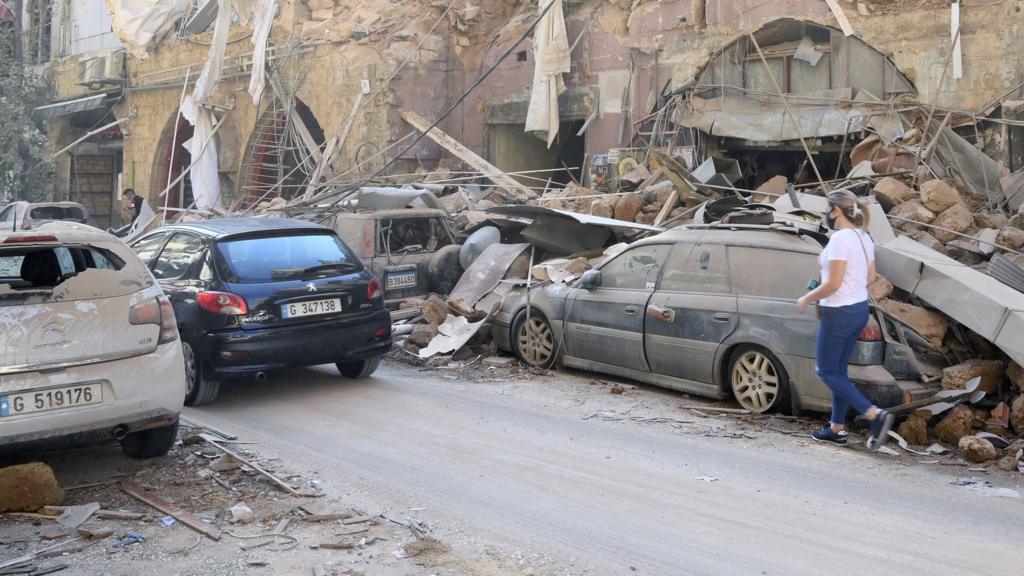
(171, 160)
(279, 158)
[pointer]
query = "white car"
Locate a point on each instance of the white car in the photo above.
(89, 347)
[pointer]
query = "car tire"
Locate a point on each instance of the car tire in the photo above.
(360, 368)
(200, 389)
(150, 443)
(758, 380)
(444, 269)
(539, 349)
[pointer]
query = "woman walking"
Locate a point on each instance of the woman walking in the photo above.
(847, 267)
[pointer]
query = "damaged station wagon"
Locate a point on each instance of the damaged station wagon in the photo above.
(89, 348)
(708, 310)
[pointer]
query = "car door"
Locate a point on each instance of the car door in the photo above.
(605, 324)
(174, 268)
(695, 286)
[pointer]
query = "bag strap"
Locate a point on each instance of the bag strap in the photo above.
(867, 261)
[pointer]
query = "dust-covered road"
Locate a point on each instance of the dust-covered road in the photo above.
(512, 462)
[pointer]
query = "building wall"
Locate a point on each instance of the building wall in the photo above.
(661, 41)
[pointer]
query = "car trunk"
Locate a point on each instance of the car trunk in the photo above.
(293, 278)
(70, 306)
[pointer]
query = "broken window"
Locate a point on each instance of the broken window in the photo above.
(148, 246)
(636, 269)
(793, 74)
(702, 269)
(411, 236)
(177, 256)
(45, 268)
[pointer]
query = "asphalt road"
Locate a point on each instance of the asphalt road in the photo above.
(513, 464)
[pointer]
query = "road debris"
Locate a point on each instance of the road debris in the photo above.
(166, 507)
(28, 487)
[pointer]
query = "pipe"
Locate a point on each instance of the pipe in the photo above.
(261, 376)
(119, 432)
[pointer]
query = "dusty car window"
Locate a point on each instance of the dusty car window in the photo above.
(635, 269)
(147, 247)
(57, 213)
(7, 214)
(787, 276)
(410, 236)
(704, 268)
(177, 256)
(284, 258)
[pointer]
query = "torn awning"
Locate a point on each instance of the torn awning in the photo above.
(70, 106)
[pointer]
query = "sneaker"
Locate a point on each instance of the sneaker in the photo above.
(880, 427)
(826, 434)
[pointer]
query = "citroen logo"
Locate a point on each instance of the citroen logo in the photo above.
(310, 287)
(52, 336)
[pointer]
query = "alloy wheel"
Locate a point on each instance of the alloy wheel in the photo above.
(536, 342)
(755, 381)
(190, 368)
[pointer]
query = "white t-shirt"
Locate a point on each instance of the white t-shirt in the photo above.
(846, 245)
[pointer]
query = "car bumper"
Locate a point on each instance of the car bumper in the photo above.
(242, 352)
(140, 392)
(883, 390)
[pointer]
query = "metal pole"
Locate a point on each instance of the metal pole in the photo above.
(174, 144)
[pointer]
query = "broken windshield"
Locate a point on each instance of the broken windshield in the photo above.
(273, 258)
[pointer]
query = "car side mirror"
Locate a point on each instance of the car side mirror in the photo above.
(591, 279)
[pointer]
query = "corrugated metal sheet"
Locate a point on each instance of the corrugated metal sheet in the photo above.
(1006, 271)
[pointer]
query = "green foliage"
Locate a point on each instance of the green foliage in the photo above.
(26, 167)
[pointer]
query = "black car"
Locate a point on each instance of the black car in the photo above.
(258, 294)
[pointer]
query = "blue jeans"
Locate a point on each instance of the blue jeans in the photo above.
(837, 337)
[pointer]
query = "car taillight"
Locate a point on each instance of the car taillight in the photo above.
(156, 311)
(29, 239)
(223, 303)
(872, 332)
(375, 289)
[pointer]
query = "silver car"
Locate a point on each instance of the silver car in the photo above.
(707, 310)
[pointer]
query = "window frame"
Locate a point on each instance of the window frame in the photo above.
(186, 273)
(160, 247)
(786, 56)
(661, 269)
(694, 245)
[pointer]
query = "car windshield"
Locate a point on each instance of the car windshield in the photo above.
(275, 258)
(44, 268)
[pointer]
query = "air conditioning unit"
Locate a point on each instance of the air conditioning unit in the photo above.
(113, 67)
(90, 71)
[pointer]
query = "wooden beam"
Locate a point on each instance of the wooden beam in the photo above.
(844, 22)
(254, 466)
(516, 190)
(143, 495)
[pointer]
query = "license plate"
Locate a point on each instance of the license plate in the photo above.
(52, 399)
(401, 280)
(311, 308)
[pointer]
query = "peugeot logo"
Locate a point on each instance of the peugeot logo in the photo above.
(310, 287)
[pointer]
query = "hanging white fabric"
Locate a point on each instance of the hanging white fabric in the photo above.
(261, 23)
(553, 58)
(140, 24)
(205, 176)
(208, 80)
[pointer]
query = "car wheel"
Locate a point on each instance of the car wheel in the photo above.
(360, 369)
(444, 269)
(199, 388)
(534, 341)
(150, 443)
(758, 380)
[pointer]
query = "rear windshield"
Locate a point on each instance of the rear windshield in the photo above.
(57, 213)
(33, 268)
(277, 258)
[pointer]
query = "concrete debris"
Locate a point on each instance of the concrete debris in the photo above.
(28, 487)
(955, 425)
(990, 371)
(241, 514)
(1017, 415)
(938, 196)
(915, 428)
(977, 450)
(890, 193)
(931, 325)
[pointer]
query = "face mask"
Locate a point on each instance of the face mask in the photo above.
(830, 221)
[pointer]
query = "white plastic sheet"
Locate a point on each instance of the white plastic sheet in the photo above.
(204, 175)
(140, 24)
(207, 83)
(553, 58)
(263, 19)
